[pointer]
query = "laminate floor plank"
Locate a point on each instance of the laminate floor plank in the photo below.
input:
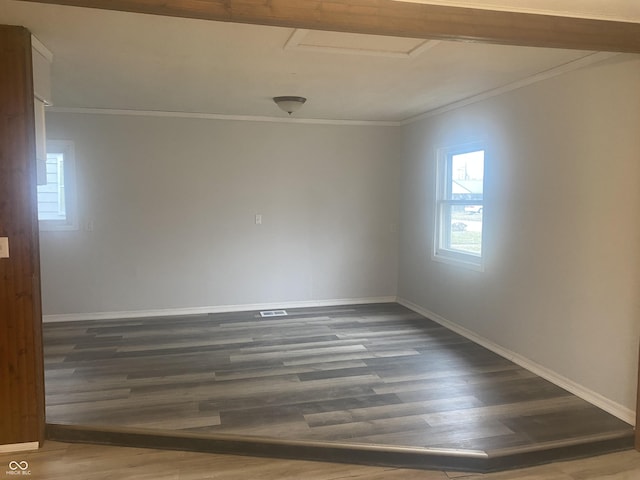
(438, 437)
(393, 410)
(377, 374)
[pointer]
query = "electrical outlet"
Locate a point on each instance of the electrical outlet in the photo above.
(4, 247)
(258, 219)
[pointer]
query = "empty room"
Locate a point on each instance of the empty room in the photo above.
(268, 236)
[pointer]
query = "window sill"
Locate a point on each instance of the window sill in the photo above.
(461, 260)
(49, 226)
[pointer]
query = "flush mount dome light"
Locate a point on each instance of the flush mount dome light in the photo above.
(289, 104)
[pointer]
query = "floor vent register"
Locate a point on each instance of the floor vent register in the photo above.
(273, 313)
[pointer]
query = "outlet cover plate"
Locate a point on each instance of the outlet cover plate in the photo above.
(4, 247)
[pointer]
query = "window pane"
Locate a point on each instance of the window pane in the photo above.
(51, 197)
(467, 175)
(464, 222)
(464, 229)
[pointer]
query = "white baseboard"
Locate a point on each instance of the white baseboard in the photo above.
(170, 312)
(623, 413)
(19, 447)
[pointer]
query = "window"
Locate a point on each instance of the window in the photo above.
(56, 199)
(460, 205)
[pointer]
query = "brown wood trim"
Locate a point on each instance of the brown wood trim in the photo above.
(21, 356)
(396, 18)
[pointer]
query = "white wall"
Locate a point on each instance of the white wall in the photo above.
(167, 211)
(562, 217)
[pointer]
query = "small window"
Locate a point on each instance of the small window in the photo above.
(460, 205)
(57, 199)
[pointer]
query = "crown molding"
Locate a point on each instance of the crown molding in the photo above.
(215, 116)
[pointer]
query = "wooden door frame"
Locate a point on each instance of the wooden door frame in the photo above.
(22, 361)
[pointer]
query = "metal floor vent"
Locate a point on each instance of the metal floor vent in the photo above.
(273, 313)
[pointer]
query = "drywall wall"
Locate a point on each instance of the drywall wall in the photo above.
(167, 214)
(562, 225)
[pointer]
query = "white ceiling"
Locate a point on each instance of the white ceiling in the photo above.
(115, 60)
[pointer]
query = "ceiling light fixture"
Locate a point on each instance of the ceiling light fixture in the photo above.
(289, 104)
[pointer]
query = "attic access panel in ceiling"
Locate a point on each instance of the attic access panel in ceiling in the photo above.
(357, 44)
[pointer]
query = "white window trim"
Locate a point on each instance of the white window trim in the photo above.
(443, 255)
(67, 148)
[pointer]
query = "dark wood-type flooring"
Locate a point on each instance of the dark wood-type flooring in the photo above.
(368, 374)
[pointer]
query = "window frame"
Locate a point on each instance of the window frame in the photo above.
(70, 223)
(444, 202)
